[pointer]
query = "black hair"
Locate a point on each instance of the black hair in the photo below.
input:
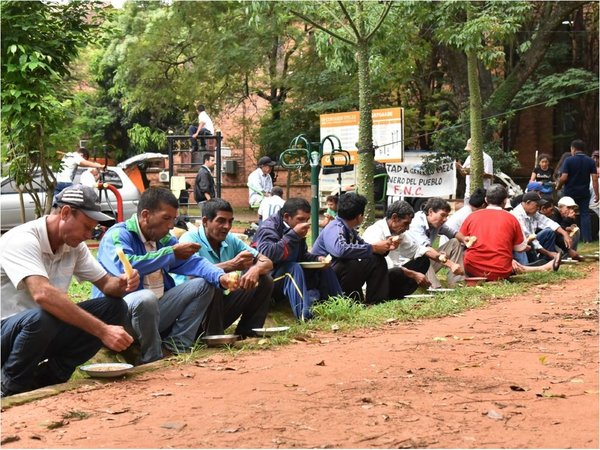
(207, 156)
(436, 203)
(200, 108)
(153, 197)
(543, 156)
(401, 208)
(277, 191)
(546, 202)
(477, 199)
(211, 207)
(351, 205)
(292, 205)
(496, 195)
(578, 145)
(83, 151)
(332, 198)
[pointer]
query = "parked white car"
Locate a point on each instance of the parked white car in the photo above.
(10, 208)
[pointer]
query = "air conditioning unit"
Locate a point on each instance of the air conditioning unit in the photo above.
(229, 166)
(163, 177)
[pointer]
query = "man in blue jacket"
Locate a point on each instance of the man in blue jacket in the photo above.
(161, 313)
(282, 239)
(355, 262)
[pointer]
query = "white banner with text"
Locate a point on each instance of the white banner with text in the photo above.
(414, 180)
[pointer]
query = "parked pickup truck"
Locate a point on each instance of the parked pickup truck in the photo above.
(10, 208)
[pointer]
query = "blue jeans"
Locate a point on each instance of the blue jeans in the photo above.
(584, 217)
(173, 319)
(60, 186)
(34, 335)
(203, 132)
(303, 288)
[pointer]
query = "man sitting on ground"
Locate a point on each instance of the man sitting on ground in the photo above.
(228, 252)
(543, 242)
(498, 234)
(407, 264)
(161, 313)
(566, 216)
(270, 205)
(355, 261)
(425, 227)
(45, 335)
(260, 182)
(282, 239)
(474, 203)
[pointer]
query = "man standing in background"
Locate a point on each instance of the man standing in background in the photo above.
(577, 170)
(465, 170)
(204, 186)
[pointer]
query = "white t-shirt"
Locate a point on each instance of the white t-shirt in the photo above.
(407, 250)
(87, 178)
(488, 167)
(455, 221)
(261, 182)
(270, 206)
(33, 256)
(68, 166)
(203, 117)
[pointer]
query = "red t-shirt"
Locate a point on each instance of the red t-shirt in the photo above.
(497, 233)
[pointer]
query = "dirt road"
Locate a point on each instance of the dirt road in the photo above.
(520, 373)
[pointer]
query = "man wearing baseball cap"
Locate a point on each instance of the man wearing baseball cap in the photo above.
(260, 183)
(45, 335)
(539, 230)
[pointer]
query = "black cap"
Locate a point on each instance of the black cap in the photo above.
(83, 198)
(531, 197)
(266, 161)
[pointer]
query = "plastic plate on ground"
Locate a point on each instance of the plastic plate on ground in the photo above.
(220, 339)
(312, 264)
(270, 331)
(106, 370)
(440, 290)
(569, 261)
(419, 296)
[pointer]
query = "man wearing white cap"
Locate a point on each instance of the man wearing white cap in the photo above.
(45, 335)
(465, 170)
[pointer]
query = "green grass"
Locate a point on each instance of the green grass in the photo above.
(342, 314)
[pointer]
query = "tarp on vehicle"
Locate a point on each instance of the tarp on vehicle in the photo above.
(143, 157)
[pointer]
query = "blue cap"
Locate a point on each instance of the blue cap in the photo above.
(534, 186)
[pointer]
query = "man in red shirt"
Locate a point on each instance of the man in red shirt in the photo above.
(498, 233)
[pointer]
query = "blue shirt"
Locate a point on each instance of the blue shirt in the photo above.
(341, 242)
(230, 247)
(578, 167)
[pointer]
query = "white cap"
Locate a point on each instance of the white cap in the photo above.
(567, 201)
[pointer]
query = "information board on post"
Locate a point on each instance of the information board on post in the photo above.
(388, 134)
(414, 180)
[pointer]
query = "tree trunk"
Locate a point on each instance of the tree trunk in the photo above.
(365, 170)
(475, 119)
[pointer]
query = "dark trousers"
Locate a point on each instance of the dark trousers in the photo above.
(203, 132)
(585, 222)
(353, 273)
(400, 284)
(251, 304)
(34, 335)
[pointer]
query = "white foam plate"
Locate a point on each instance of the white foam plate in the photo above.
(312, 264)
(569, 261)
(440, 290)
(106, 370)
(419, 296)
(270, 331)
